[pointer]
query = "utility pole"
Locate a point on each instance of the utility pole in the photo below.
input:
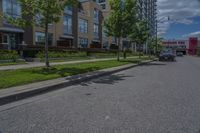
(156, 36)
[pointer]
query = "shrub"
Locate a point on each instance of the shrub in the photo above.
(198, 52)
(9, 55)
(61, 54)
(30, 53)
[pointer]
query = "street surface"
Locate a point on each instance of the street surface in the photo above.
(162, 97)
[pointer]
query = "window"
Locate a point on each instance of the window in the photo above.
(96, 30)
(96, 15)
(101, 1)
(40, 38)
(83, 26)
(68, 10)
(5, 39)
(11, 8)
(67, 24)
(83, 42)
(103, 6)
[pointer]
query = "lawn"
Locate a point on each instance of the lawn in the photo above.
(12, 78)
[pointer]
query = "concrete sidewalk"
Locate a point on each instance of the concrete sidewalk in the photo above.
(40, 64)
(21, 92)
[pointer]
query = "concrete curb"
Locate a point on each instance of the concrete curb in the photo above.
(26, 91)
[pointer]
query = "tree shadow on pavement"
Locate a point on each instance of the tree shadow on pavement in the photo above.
(63, 72)
(154, 64)
(110, 80)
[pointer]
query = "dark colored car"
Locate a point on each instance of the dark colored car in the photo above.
(167, 55)
(179, 54)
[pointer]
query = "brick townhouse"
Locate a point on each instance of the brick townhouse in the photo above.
(78, 28)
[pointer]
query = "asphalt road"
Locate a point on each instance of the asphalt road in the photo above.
(155, 98)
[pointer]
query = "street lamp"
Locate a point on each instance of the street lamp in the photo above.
(162, 20)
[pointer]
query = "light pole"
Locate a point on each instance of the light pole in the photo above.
(162, 20)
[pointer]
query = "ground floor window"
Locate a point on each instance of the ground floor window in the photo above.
(83, 42)
(105, 44)
(40, 38)
(11, 40)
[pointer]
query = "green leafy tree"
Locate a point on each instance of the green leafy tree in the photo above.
(160, 45)
(130, 18)
(42, 13)
(113, 24)
(140, 33)
(151, 44)
(120, 18)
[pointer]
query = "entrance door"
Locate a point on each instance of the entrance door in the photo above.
(9, 40)
(12, 41)
(5, 41)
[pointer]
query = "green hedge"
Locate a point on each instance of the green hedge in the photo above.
(198, 52)
(64, 54)
(8, 55)
(56, 54)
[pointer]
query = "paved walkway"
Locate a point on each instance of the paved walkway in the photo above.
(39, 64)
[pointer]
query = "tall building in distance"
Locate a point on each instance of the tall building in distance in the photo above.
(147, 10)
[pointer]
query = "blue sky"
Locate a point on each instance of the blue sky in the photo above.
(184, 18)
(182, 31)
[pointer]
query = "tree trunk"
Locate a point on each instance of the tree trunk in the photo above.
(46, 46)
(132, 49)
(118, 51)
(140, 52)
(124, 53)
(135, 46)
(147, 48)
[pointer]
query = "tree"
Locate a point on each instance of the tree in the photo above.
(160, 45)
(130, 18)
(114, 22)
(42, 13)
(151, 44)
(140, 33)
(119, 20)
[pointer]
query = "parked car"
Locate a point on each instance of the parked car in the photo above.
(179, 54)
(167, 55)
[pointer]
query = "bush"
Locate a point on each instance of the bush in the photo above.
(9, 55)
(61, 54)
(30, 53)
(130, 53)
(102, 54)
(198, 52)
(70, 54)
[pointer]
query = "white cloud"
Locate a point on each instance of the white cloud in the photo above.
(180, 11)
(193, 34)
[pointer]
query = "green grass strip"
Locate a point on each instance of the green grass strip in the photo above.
(12, 78)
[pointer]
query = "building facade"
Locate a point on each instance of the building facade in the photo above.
(147, 10)
(78, 28)
(90, 25)
(10, 36)
(107, 42)
(177, 45)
